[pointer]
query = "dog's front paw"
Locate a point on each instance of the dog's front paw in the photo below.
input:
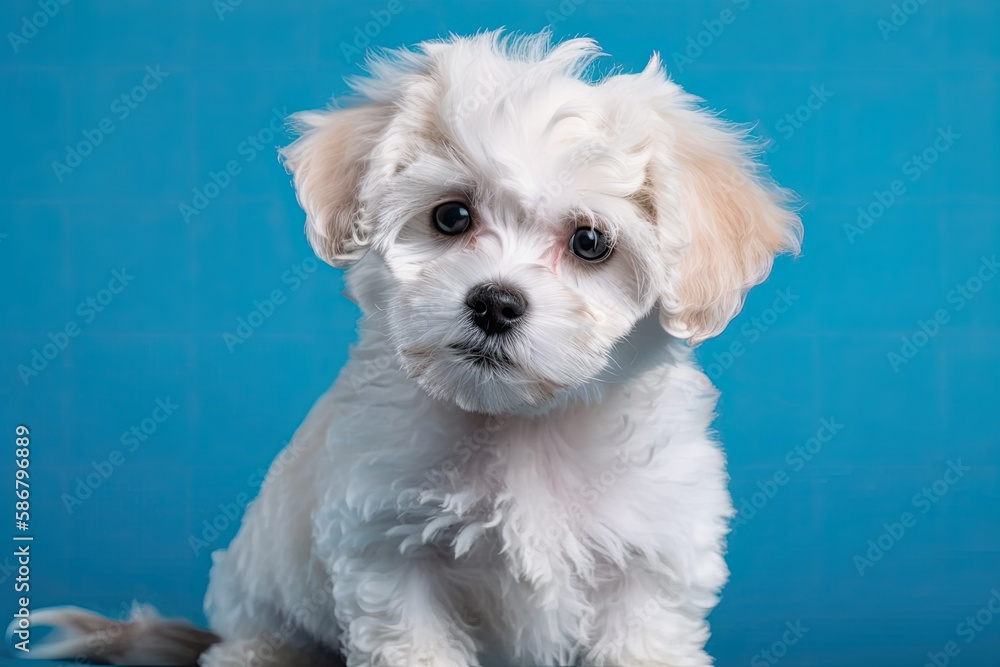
(429, 654)
(438, 658)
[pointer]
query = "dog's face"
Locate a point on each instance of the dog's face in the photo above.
(514, 223)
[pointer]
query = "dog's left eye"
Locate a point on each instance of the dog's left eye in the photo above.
(452, 218)
(589, 244)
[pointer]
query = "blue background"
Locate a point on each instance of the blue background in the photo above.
(855, 296)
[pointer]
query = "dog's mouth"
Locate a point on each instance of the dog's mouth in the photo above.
(479, 376)
(482, 357)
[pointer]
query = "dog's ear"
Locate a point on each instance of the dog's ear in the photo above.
(328, 162)
(720, 220)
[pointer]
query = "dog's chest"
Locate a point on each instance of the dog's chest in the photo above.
(544, 494)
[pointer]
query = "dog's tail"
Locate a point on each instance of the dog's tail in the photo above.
(144, 639)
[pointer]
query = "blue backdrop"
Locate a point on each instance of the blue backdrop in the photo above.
(145, 213)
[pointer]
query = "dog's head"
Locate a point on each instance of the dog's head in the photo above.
(514, 222)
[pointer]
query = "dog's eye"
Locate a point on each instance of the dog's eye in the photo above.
(589, 244)
(452, 218)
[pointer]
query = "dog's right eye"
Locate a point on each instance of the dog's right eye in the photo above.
(452, 218)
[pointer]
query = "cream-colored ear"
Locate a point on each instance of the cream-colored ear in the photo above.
(732, 219)
(328, 162)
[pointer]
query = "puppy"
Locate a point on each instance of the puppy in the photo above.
(517, 459)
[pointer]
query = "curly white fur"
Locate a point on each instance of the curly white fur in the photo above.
(568, 503)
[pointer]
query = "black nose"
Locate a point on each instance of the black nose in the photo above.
(495, 309)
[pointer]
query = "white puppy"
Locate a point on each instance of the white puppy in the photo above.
(517, 459)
